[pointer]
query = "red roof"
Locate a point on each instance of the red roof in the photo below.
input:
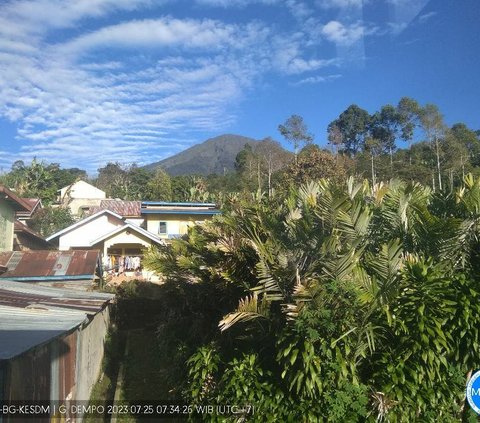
(121, 207)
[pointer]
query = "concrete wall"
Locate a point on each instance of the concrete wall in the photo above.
(90, 349)
(176, 224)
(82, 189)
(84, 234)
(7, 216)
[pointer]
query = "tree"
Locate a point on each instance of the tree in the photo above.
(113, 179)
(384, 127)
(50, 220)
(351, 127)
(432, 123)
(374, 147)
(34, 180)
(65, 177)
(159, 188)
(409, 113)
(335, 137)
(295, 131)
(127, 182)
(313, 164)
(470, 140)
(272, 158)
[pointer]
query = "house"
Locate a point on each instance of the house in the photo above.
(10, 203)
(80, 197)
(122, 230)
(172, 220)
(51, 343)
(121, 242)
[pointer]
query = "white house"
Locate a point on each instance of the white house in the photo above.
(80, 197)
(121, 242)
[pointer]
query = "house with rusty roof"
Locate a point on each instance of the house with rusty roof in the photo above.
(15, 234)
(10, 203)
(51, 343)
(122, 230)
(121, 242)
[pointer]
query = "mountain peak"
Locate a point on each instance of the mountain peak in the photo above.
(214, 155)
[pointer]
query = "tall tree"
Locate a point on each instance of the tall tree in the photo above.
(335, 137)
(409, 114)
(295, 131)
(384, 128)
(469, 139)
(432, 124)
(272, 158)
(159, 188)
(113, 179)
(353, 125)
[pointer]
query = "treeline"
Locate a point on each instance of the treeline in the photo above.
(406, 141)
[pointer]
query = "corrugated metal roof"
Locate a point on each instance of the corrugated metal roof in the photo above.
(33, 203)
(49, 264)
(17, 202)
(21, 227)
(180, 211)
(121, 207)
(177, 204)
(31, 315)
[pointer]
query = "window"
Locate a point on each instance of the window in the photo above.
(162, 228)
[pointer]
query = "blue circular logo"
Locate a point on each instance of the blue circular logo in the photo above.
(473, 392)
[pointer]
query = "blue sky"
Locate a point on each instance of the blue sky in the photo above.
(86, 82)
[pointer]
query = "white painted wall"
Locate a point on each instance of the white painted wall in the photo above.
(82, 189)
(84, 234)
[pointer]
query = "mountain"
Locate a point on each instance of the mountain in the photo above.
(215, 155)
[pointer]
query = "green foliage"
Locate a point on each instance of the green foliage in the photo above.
(39, 179)
(353, 303)
(50, 220)
(159, 188)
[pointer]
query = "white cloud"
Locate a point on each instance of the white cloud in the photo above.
(234, 3)
(345, 34)
(427, 16)
(340, 4)
(158, 32)
(317, 79)
(157, 83)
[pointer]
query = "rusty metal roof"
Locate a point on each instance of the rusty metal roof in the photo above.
(33, 203)
(31, 315)
(49, 265)
(21, 227)
(123, 208)
(18, 203)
